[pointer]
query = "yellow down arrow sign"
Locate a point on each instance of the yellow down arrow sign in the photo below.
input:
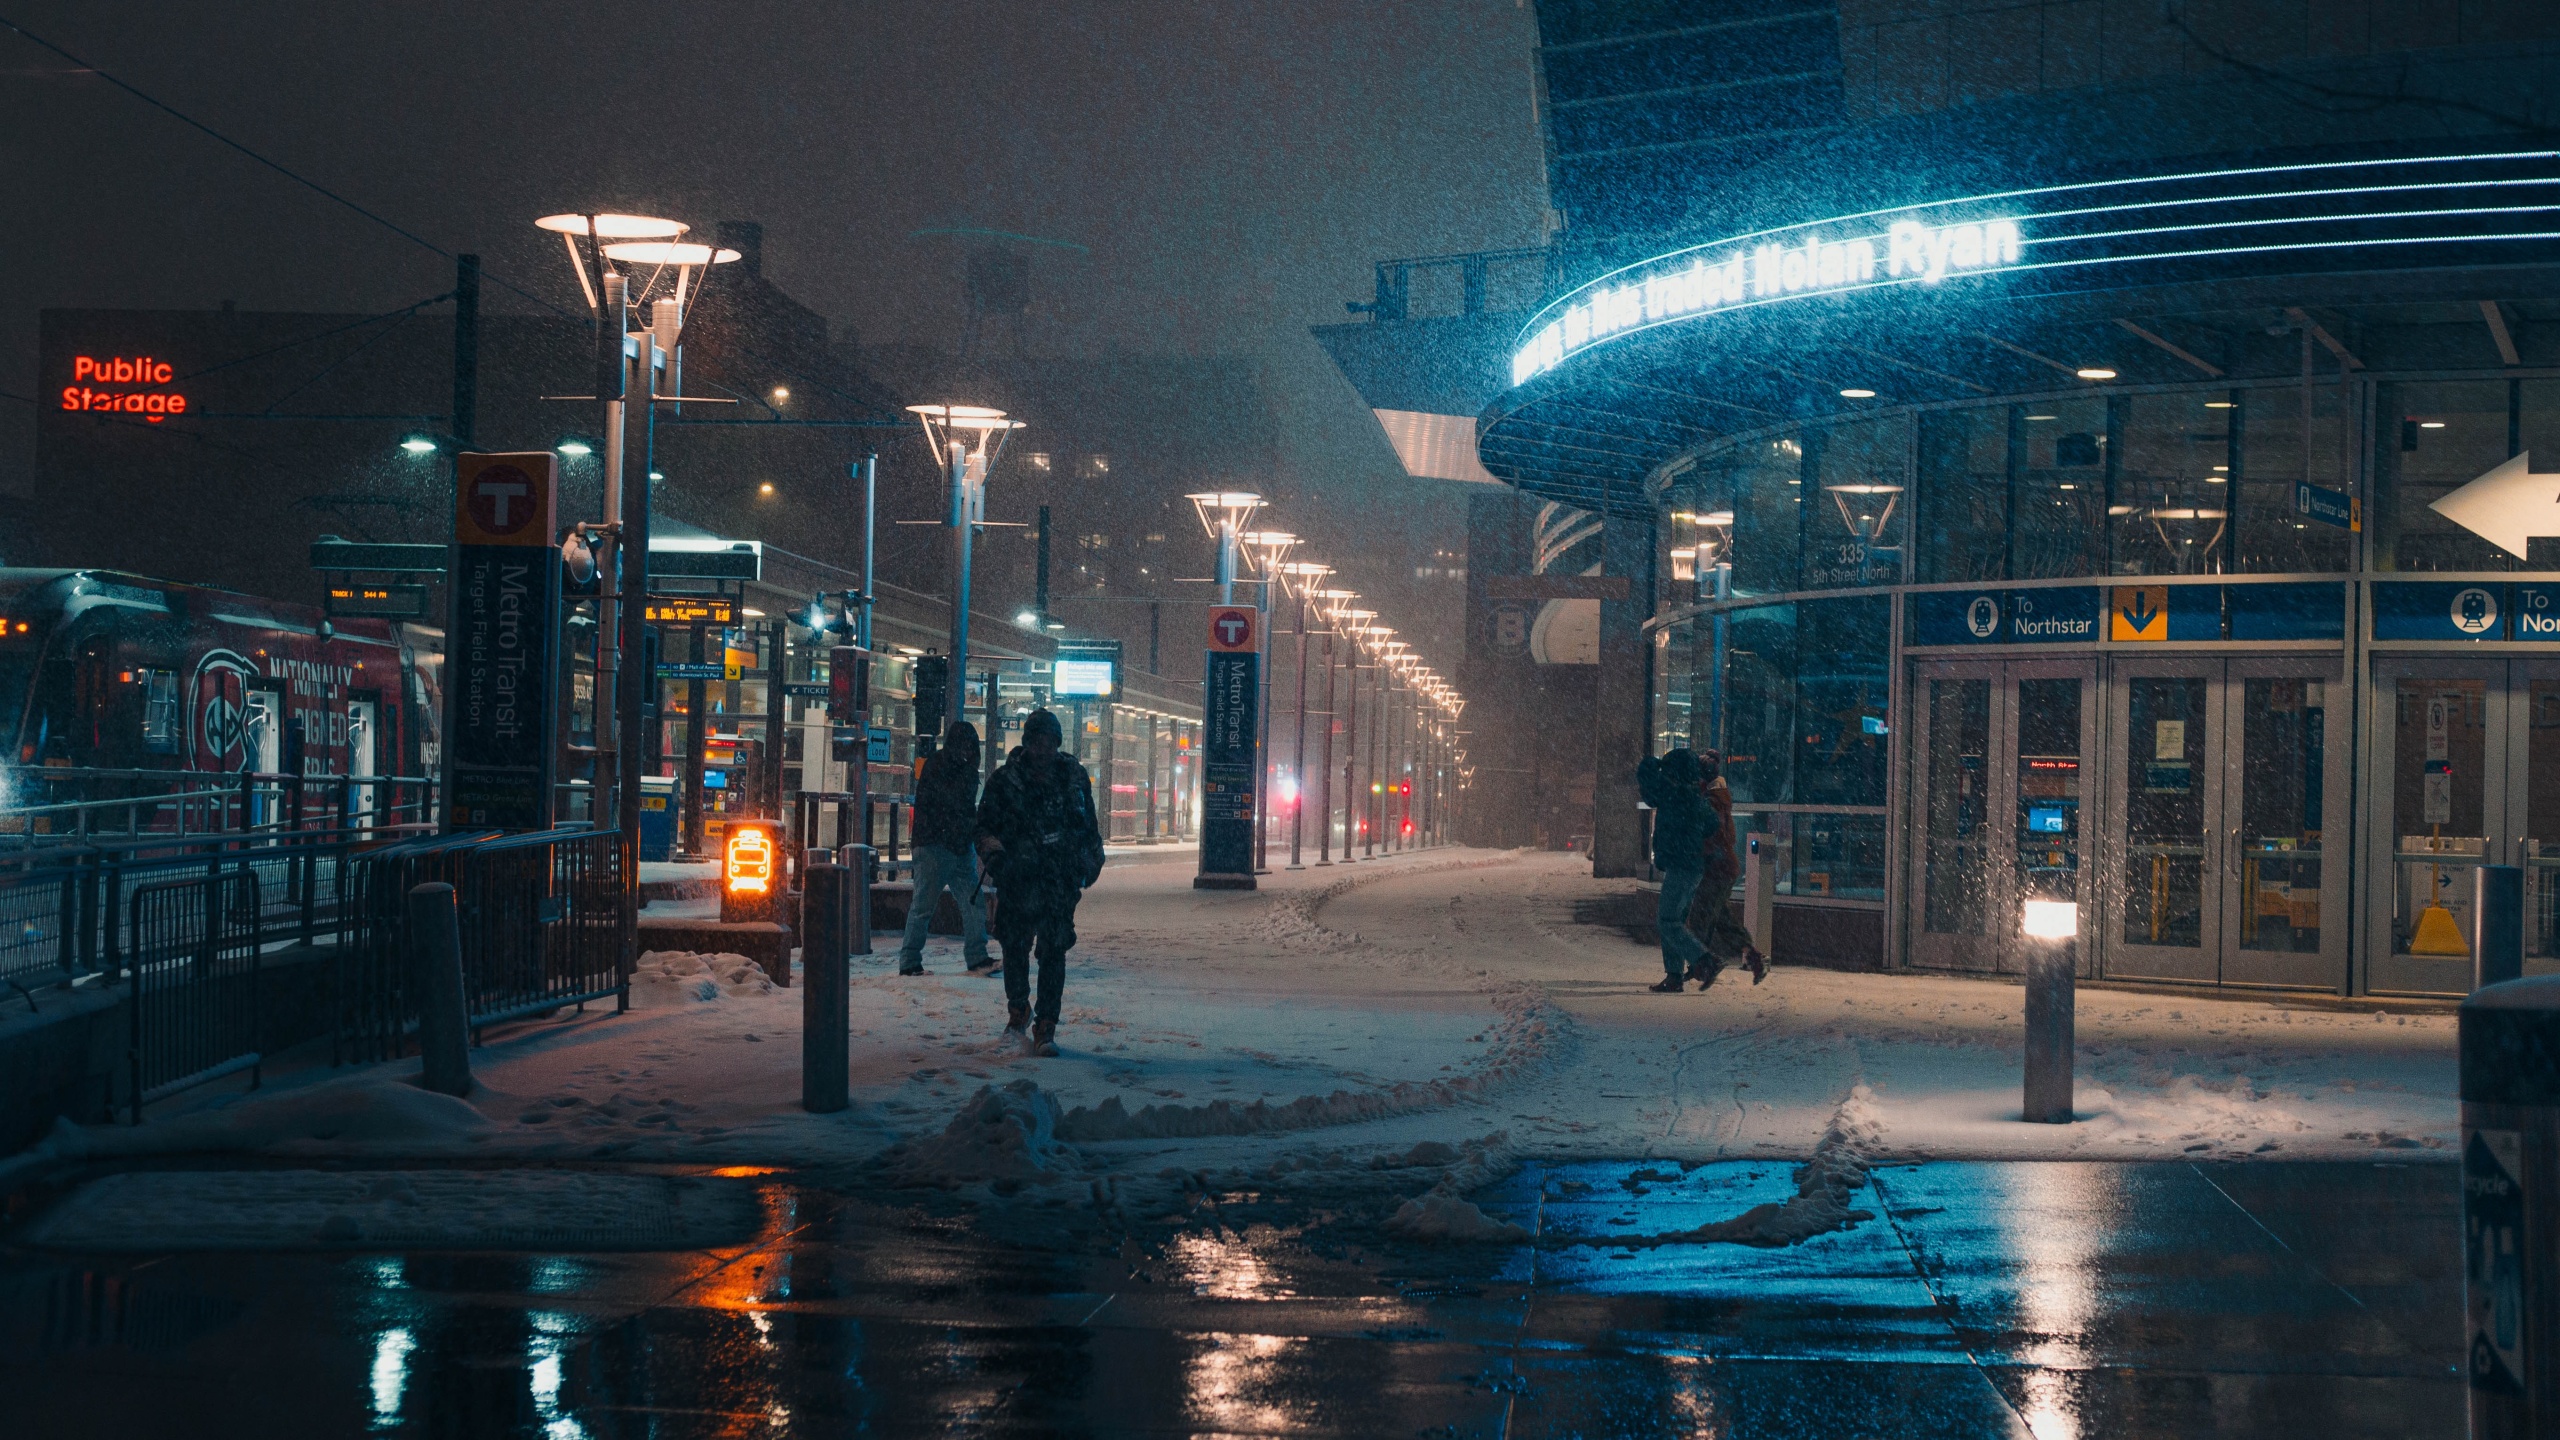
(2507, 506)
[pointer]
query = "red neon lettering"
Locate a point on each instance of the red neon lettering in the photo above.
(153, 406)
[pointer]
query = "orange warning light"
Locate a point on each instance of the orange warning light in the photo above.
(747, 860)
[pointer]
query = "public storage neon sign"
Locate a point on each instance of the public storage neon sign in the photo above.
(153, 405)
(2228, 220)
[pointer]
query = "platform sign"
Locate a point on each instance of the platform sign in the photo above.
(399, 602)
(2329, 507)
(2063, 615)
(2439, 610)
(2536, 613)
(501, 686)
(2141, 614)
(689, 610)
(1228, 764)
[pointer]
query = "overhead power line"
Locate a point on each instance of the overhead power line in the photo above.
(183, 118)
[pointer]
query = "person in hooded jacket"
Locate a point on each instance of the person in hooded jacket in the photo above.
(1043, 846)
(1682, 819)
(1711, 916)
(946, 827)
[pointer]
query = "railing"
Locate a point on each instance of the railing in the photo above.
(192, 978)
(42, 806)
(541, 919)
(1425, 286)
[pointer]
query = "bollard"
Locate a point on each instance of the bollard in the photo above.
(861, 862)
(2497, 925)
(2051, 998)
(2049, 939)
(1760, 890)
(435, 981)
(2511, 1207)
(826, 919)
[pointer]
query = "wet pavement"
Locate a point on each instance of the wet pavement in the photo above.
(2052, 1299)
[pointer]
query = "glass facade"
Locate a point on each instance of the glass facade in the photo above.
(1795, 562)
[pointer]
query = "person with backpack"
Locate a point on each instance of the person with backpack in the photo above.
(946, 823)
(1681, 820)
(1043, 845)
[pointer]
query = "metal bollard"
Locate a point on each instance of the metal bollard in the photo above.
(862, 863)
(827, 917)
(1760, 890)
(2052, 997)
(435, 979)
(2511, 1206)
(2497, 925)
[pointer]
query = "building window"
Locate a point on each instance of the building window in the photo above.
(1855, 523)
(1806, 689)
(2431, 439)
(2058, 457)
(1963, 511)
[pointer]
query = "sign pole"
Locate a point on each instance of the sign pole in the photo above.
(501, 687)
(1230, 750)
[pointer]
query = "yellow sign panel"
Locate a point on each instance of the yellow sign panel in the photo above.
(2138, 612)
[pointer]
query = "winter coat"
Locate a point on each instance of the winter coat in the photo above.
(947, 799)
(1041, 807)
(1682, 817)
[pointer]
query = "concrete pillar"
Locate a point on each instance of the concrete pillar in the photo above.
(1618, 718)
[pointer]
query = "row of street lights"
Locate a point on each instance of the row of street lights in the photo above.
(1349, 633)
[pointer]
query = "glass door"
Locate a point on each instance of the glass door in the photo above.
(2533, 762)
(2167, 738)
(1998, 819)
(2440, 755)
(2284, 911)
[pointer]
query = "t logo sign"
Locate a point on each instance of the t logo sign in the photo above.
(505, 499)
(1230, 628)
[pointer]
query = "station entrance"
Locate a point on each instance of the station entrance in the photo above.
(2466, 772)
(2178, 803)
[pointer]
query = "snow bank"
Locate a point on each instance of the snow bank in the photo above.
(1007, 1138)
(1825, 1183)
(665, 978)
(1291, 919)
(1439, 1215)
(367, 1112)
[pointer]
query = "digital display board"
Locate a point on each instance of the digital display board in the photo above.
(1083, 679)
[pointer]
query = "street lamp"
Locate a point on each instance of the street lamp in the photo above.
(1308, 572)
(1270, 546)
(967, 441)
(1223, 514)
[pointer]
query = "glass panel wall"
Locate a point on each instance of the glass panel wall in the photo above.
(2170, 511)
(1853, 529)
(2434, 437)
(1963, 510)
(2270, 461)
(2060, 450)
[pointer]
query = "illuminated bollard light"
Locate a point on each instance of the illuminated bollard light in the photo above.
(2050, 932)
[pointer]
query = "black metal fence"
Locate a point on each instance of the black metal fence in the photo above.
(184, 899)
(542, 921)
(192, 981)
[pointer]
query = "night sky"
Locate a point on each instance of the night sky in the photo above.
(1233, 170)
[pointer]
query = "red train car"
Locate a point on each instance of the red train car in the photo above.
(101, 670)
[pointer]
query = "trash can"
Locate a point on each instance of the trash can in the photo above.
(2511, 1206)
(657, 817)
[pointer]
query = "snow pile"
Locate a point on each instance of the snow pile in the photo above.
(1007, 1138)
(667, 977)
(369, 1113)
(1442, 1212)
(1439, 1215)
(1825, 1184)
(1291, 920)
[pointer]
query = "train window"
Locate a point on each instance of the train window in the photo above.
(163, 722)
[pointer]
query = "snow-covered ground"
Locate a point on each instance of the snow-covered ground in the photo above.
(1441, 1010)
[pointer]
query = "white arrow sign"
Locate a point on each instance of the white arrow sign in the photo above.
(2507, 506)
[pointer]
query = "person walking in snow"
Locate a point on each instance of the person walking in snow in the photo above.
(946, 827)
(1711, 916)
(1681, 820)
(1043, 846)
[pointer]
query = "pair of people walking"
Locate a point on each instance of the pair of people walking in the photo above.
(1036, 836)
(1695, 848)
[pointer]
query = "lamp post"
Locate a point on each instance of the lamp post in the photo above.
(967, 441)
(1354, 635)
(1307, 573)
(1223, 513)
(1269, 546)
(620, 355)
(1330, 603)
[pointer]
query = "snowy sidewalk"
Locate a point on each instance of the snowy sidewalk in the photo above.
(1444, 999)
